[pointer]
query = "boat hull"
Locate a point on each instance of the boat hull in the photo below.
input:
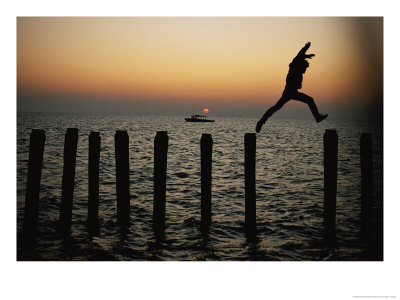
(197, 120)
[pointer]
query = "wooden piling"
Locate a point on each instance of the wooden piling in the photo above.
(367, 190)
(31, 213)
(70, 147)
(330, 180)
(206, 144)
(160, 179)
(122, 176)
(93, 198)
(250, 180)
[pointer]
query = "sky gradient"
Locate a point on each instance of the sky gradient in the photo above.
(233, 66)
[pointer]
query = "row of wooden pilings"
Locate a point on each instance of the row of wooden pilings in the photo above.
(36, 149)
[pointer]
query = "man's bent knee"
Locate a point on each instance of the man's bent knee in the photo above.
(308, 100)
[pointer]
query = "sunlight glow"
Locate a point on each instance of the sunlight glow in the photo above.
(236, 61)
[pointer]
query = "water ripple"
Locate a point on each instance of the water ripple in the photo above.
(289, 177)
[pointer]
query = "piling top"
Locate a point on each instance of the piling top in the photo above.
(94, 133)
(72, 130)
(121, 132)
(38, 134)
(206, 137)
(366, 140)
(250, 134)
(94, 137)
(250, 137)
(366, 135)
(330, 131)
(38, 131)
(161, 136)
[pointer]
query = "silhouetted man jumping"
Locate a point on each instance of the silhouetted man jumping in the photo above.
(294, 79)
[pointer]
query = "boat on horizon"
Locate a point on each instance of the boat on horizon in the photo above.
(198, 118)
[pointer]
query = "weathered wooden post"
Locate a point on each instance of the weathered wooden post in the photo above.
(122, 176)
(70, 147)
(31, 213)
(250, 181)
(206, 144)
(93, 200)
(330, 180)
(366, 182)
(160, 180)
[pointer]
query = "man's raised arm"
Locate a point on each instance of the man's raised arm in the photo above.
(302, 53)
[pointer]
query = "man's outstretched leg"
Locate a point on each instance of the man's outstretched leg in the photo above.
(270, 112)
(311, 104)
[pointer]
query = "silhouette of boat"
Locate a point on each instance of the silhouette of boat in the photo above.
(198, 118)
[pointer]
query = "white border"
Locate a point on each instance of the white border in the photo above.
(219, 280)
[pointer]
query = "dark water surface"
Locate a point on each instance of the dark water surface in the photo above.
(289, 179)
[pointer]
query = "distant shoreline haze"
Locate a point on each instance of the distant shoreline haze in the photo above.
(292, 110)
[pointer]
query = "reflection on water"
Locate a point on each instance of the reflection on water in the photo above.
(289, 177)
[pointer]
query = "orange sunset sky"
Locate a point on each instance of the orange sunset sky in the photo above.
(231, 65)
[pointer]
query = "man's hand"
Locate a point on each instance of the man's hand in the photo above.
(302, 53)
(309, 55)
